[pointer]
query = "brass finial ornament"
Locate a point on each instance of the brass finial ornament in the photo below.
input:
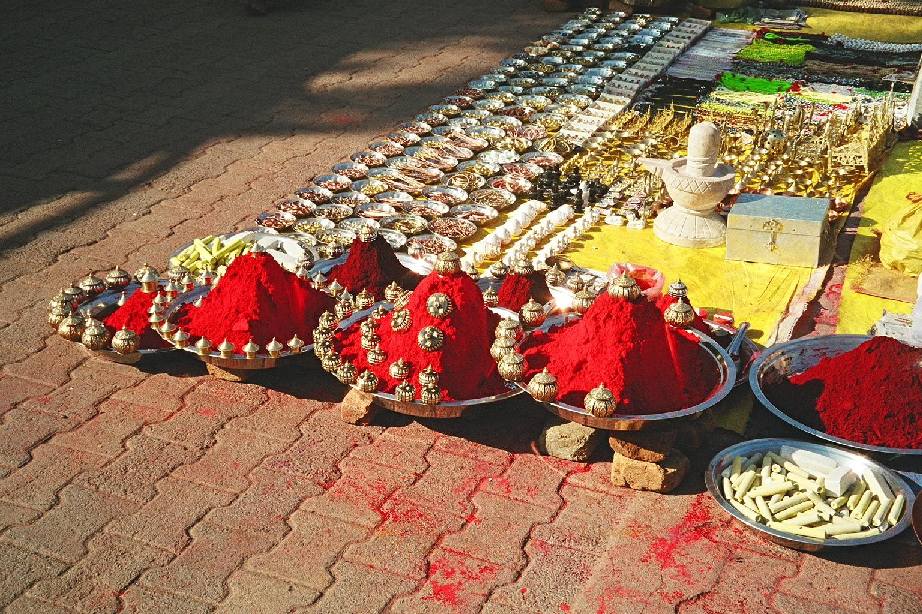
(399, 369)
(303, 269)
(370, 340)
(392, 292)
(677, 289)
(122, 299)
(405, 392)
(117, 278)
(378, 312)
(327, 320)
(582, 301)
(226, 348)
(508, 328)
(167, 329)
(428, 377)
(58, 313)
(160, 301)
(176, 273)
(401, 320)
(187, 282)
(322, 334)
(126, 341)
(523, 266)
(543, 387)
(364, 299)
(91, 285)
(431, 395)
(273, 347)
(502, 346)
(679, 313)
(319, 281)
(367, 382)
(71, 327)
(532, 313)
(624, 287)
(439, 305)
(512, 367)
(181, 339)
(335, 289)
(554, 276)
(344, 306)
(146, 269)
(295, 344)
(403, 300)
(376, 355)
(430, 338)
(490, 297)
(347, 373)
(323, 347)
(600, 402)
(331, 362)
(250, 349)
(366, 233)
(447, 263)
(205, 277)
(74, 295)
(203, 347)
(149, 280)
(59, 300)
(499, 269)
(95, 335)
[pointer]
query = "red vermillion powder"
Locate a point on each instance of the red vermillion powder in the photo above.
(134, 316)
(871, 394)
(258, 299)
(372, 266)
(517, 289)
(649, 366)
(466, 369)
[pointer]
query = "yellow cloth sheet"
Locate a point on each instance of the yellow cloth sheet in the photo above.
(901, 174)
(888, 28)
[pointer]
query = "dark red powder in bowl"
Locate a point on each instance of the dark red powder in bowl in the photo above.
(372, 266)
(134, 316)
(871, 394)
(466, 369)
(649, 366)
(257, 299)
(517, 289)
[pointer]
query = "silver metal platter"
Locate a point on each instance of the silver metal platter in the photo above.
(786, 359)
(854, 461)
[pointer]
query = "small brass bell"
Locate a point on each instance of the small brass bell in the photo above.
(512, 367)
(117, 278)
(502, 346)
(523, 266)
(176, 273)
(58, 313)
(431, 395)
(71, 327)
(532, 313)
(543, 387)
(327, 320)
(125, 341)
(250, 349)
(624, 287)
(344, 306)
(226, 348)
(405, 392)
(59, 300)
(181, 339)
(430, 338)
(447, 263)
(677, 289)
(378, 312)
(370, 340)
(392, 292)
(321, 334)
(403, 300)
(74, 295)
(91, 285)
(554, 276)
(347, 373)
(331, 362)
(335, 289)
(95, 335)
(499, 269)
(149, 279)
(679, 314)
(367, 382)
(295, 344)
(376, 355)
(399, 369)
(323, 348)
(439, 305)
(600, 402)
(400, 321)
(364, 299)
(428, 377)
(490, 297)
(582, 301)
(319, 281)
(273, 347)
(202, 347)
(508, 328)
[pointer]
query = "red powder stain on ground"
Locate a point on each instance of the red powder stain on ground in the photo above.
(565, 607)
(611, 592)
(208, 412)
(696, 525)
(327, 485)
(453, 579)
(503, 486)
(44, 399)
(541, 546)
(672, 596)
(472, 518)
(343, 119)
(523, 590)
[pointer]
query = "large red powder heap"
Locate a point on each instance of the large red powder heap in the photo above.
(466, 369)
(872, 394)
(372, 266)
(258, 299)
(518, 288)
(134, 316)
(649, 366)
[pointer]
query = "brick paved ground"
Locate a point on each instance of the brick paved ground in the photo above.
(126, 129)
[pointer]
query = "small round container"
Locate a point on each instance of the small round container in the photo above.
(352, 170)
(453, 228)
(333, 183)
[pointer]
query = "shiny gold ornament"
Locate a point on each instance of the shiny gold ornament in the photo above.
(167, 329)
(366, 234)
(378, 312)
(439, 305)
(149, 281)
(74, 295)
(331, 362)
(156, 317)
(509, 329)
(368, 326)
(430, 395)
(273, 347)
(122, 299)
(58, 313)
(447, 263)
(327, 320)
(59, 300)
(295, 344)
(322, 334)
(403, 300)
(91, 285)
(117, 278)
(370, 340)
(146, 270)
(532, 313)
(176, 273)
(401, 321)
(543, 387)
(335, 289)
(678, 290)
(95, 335)
(344, 306)
(399, 369)
(71, 327)
(250, 349)
(347, 373)
(202, 347)
(624, 287)
(226, 348)
(554, 276)
(428, 377)
(405, 392)
(392, 292)
(600, 402)
(512, 367)
(367, 382)
(125, 341)
(187, 282)
(303, 269)
(502, 346)
(490, 297)
(181, 339)
(364, 299)
(205, 277)
(523, 266)
(679, 313)
(499, 269)
(430, 338)
(319, 281)
(323, 348)
(160, 302)
(376, 355)
(582, 301)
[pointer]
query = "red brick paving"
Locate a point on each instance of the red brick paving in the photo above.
(128, 131)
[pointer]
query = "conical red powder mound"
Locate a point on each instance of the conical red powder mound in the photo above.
(872, 394)
(626, 345)
(134, 316)
(466, 369)
(517, 289)
(258, 299)
(372, 266)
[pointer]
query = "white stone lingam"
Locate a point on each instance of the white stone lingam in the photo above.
(696, 184)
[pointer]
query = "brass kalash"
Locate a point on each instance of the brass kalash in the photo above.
(786, 147)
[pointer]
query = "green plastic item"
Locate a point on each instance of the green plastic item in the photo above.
(744, 83)
(761, 50)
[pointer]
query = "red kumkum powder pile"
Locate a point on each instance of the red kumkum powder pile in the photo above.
(516, 289)
(649, 366)
(372, 266)
(466, 369)
(871, 395)
(258, 299)
(134, 316)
